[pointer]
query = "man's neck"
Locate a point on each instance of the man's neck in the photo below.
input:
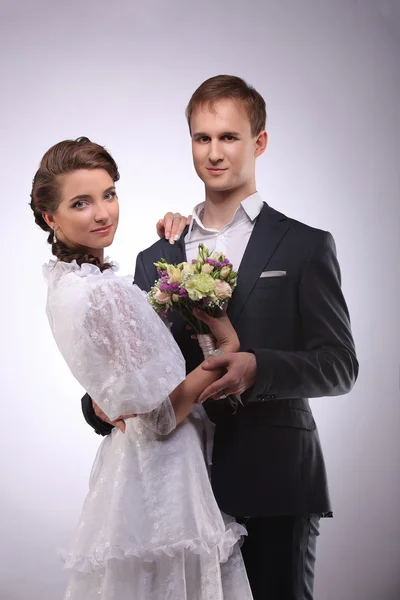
(220, 207)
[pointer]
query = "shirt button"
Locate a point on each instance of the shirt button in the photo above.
(221, 237)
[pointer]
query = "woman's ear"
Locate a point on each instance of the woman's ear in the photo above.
(49, 220)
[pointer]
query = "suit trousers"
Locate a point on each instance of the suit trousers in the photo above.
(279, 554)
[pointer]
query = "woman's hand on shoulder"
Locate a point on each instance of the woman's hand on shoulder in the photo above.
(172, 225)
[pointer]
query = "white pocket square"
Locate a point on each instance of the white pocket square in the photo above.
(273, 274)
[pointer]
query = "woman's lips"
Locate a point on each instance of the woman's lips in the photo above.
(102, 230)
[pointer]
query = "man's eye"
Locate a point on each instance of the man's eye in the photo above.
(204, 139)
(229, 138)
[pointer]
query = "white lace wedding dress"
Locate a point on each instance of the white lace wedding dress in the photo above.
(150, 528)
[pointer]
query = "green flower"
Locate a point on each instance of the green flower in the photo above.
(200, 285)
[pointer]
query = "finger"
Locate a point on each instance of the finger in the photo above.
(160, 228)
(168, 224)
(218, 387)
(124, 417)
(175, 234)
(188, 220)
(216, 362)
(183, 223)
(210, 392)
(120, 424)
(201, 315)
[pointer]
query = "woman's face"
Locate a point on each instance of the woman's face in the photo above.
(88, 211)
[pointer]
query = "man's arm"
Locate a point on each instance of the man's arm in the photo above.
(327, 364)
(141, 278)
(100, 427)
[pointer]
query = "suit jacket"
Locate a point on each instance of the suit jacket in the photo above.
(267, 457)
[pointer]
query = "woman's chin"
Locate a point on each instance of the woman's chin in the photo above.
(104, 243)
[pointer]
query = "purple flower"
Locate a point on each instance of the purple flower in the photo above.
(164, 314)
(172, 287)
(194, 261)
(164, 287)
(183, 293)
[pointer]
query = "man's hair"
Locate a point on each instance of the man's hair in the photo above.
(224, 87)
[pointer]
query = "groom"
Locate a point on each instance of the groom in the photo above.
(292, 321)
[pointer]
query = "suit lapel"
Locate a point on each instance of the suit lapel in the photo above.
(268, 232)
(174, 253)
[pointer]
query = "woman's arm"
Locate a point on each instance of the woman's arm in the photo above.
(126, 358)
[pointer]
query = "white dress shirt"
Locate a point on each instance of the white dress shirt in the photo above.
(232, 239)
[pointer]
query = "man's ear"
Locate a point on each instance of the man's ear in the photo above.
(261, 143)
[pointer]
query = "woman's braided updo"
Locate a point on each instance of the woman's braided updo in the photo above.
(64, 157)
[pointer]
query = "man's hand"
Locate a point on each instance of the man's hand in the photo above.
(171, 226)
(119, 423)
(241, 374)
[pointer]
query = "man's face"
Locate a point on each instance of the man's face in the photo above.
(224, 149)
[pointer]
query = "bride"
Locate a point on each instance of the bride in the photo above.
(150, 528)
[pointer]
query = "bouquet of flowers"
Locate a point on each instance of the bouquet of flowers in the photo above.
(206, 283)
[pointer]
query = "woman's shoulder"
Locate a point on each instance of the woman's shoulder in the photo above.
(57, 270)
(67, 280)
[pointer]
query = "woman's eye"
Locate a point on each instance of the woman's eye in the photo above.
(79, 204)
(109, 195)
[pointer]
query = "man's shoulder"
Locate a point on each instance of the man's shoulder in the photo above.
(160, 249)
(298, 228)
(155, 248)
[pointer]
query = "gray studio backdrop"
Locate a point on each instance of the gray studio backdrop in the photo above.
(121, 73)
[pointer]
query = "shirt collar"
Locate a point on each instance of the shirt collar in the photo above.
(251, 205)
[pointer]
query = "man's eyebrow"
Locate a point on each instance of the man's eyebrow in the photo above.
(229, 133)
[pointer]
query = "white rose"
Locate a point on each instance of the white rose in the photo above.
(207, 268)
(222, 290)
(189, 268)
(162, 297)
(224, 272)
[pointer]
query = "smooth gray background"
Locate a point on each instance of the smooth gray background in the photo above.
(121, 73)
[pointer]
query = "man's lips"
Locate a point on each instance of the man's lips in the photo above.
(216, 170)
(102, 229)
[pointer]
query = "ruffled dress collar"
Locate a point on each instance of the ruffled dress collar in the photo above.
(55, 269)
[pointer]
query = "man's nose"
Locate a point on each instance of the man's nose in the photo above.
(215, 154)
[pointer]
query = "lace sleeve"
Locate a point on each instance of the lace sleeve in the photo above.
(119, 349)
(161, 420)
